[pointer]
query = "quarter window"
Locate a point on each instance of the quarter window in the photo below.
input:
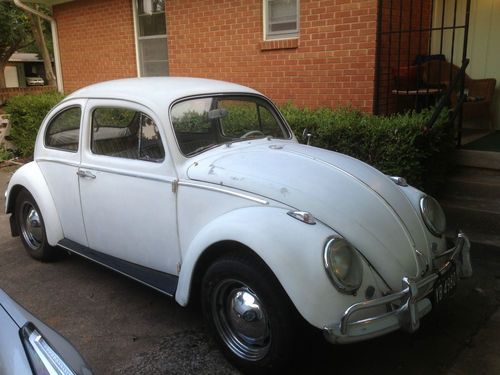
(151, 37)
(126, 133)
(281, 19)
(63, 132)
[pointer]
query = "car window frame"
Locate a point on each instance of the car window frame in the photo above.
(230, 95)
(53, 117)
(122, 104)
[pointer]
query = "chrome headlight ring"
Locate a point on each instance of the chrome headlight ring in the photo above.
(343, 265)
(433, 215)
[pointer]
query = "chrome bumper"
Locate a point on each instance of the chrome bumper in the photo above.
(411, 301)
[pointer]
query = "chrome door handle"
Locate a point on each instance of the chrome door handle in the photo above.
(85, 174)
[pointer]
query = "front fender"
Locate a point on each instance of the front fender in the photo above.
(30, 177)
(291, 249)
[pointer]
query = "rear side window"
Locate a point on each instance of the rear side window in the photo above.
(126, 133)
(63, 131)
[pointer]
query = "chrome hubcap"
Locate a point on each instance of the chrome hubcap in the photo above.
(31, 226)
(241, 320)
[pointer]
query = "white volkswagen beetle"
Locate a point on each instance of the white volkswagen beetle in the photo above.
(199, 189)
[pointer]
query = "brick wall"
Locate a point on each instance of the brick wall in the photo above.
(332, 62)
(96, 41)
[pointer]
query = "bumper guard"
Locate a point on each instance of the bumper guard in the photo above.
(412, 302)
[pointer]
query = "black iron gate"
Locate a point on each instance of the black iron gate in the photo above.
(422, 57)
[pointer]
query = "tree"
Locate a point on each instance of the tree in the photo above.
(15, 33)
(38, 35)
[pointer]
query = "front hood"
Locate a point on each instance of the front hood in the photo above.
(354, 199)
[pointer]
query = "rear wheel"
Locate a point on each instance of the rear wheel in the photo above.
(32, 228)
(249, 314)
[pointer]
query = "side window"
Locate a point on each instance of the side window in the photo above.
(125, 133)
(63, 132)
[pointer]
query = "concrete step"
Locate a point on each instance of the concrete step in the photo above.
(471, 189)
(473, 215)
(477, 183)
(477, 159)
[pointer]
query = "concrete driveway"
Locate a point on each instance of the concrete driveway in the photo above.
(120, 326)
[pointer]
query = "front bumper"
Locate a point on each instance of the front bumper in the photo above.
(411, 302)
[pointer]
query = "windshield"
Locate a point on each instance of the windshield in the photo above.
(203, 123)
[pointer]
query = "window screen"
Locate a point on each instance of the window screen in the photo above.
(63, 132)
(126, 133)
(282, 18)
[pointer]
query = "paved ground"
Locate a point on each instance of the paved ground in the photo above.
(122, 327)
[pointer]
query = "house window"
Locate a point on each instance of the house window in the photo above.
(151, 31)
(281, 19)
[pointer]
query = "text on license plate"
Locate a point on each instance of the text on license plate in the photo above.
(446, 284)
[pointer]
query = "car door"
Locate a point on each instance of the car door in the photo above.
(58, 156)
(126, 178)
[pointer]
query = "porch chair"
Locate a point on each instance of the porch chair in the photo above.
(479, 91)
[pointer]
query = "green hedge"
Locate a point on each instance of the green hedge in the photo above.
(399, 145)
(26, 114)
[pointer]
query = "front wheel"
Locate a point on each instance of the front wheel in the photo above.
(249, 314)
(32, 228)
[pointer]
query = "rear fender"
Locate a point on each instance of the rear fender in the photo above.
(30, 177)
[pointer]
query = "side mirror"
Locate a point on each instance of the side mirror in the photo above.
(306, 136)
(218, 113)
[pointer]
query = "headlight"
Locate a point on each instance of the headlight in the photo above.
(42, 357)
(343, 265)
(433, 215)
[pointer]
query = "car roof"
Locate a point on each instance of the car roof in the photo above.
(159, 90)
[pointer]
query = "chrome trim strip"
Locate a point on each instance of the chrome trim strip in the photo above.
(58, 161)
(109, 170)
(128, 174)
(225, 191)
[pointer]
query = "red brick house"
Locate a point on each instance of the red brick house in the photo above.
(314, 53)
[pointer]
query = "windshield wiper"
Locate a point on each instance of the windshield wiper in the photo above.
(203, 148)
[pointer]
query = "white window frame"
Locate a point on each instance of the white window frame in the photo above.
(137, 38)
(268, 35)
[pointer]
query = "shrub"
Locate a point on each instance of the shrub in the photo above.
(26, 115)
(5, 154)
(398, 145)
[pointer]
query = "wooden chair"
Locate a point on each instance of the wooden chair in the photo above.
(480, 92)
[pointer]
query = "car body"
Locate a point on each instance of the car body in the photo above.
(28, 346)
(199, 189)
(35, 81)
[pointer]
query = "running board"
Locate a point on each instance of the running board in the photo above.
(160, 281)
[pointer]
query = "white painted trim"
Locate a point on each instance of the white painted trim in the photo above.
(265, 37)
(55, 41)
(136, 38)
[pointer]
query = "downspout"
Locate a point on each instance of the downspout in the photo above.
(55, 40)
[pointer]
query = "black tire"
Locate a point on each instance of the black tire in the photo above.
(31, 228)
(260, 336)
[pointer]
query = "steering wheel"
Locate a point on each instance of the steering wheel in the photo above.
(252, 132)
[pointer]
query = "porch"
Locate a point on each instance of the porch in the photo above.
(442, 54)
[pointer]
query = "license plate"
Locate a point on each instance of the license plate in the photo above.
(446, 284)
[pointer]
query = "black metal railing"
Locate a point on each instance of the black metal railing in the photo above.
(418, 42)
